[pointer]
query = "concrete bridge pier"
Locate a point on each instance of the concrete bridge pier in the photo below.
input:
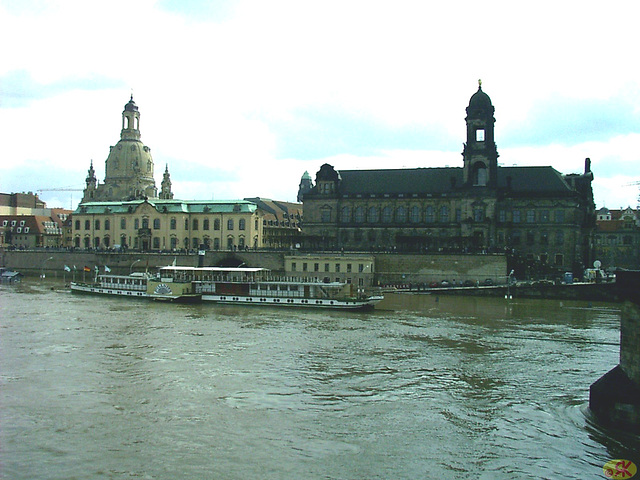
(615, 398)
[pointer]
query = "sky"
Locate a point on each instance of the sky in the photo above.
(240, 98)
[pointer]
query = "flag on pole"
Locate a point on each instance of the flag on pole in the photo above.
(87, 269)
(106, 269)
(66, 268)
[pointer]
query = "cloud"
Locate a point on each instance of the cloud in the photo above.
(570, 121)
(19, 88)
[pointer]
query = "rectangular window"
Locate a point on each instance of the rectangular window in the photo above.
(531, 216)
(293, 266)
(316, 267)
(502, 216)
(156, 224)
(516, 216)
(136, 223)
(559, 216)
(544, 216)
(123, 223)
(87, 224)
(304, 267)
(348, 267)
(326, 267)
(360, 267)
(77, 224)
(337, 267)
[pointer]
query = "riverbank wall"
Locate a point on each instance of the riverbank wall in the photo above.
(615, 397)
(390, 268)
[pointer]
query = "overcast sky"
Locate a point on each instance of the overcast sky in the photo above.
(240, 98)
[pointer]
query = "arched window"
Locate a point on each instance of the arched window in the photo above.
(359, 215)
(216, 224)
(428, 214)
(401, 215)
(387, 217)
(444, 214)
(230, 224)
(241, 224)
(479, 174)
(345, 215)
(374, 216)
(156, 224)
(415, 214)
(107, 224)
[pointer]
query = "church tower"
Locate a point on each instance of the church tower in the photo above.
(92, 182)
(480, 152)
(165, 190)
(306, 184)
(129, 166)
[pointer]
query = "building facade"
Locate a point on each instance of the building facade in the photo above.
(350, 268)
(543, 218)
(617, 239)
(167, 225)
(26, 222)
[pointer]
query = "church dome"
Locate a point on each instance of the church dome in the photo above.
(480, 104)
(131, 106)
(480, 100)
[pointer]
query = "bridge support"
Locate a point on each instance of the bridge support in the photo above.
(615, 398)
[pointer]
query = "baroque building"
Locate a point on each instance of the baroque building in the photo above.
(541, 217)
(126, 212)
(167, 224)
(128, 168)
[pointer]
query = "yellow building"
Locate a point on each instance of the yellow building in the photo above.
(126, 211)
(350, 268)
(168, 225)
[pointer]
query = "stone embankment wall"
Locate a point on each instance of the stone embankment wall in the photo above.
(390, 268)
(415, 269)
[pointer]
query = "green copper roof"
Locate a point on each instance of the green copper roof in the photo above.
(169, 206)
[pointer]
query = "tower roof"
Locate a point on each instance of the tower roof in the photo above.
(131, 106)
(480, 100)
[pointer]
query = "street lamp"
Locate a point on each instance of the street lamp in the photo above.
(131, 267)
(508, 295)
(42, 269)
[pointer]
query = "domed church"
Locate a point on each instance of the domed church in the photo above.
(129, 166)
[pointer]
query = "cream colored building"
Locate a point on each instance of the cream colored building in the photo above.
(126, 212)
(356, 269)
(168, 225)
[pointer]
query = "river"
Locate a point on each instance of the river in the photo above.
(424, 387)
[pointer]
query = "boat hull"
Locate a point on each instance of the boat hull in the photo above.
(101, 290)
(364, 304)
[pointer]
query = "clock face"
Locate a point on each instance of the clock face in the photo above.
(480, 135)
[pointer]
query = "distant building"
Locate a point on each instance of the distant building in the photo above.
(306, 184)
(281, 223)
(543, 218)
(26, 222)
(617, 238)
